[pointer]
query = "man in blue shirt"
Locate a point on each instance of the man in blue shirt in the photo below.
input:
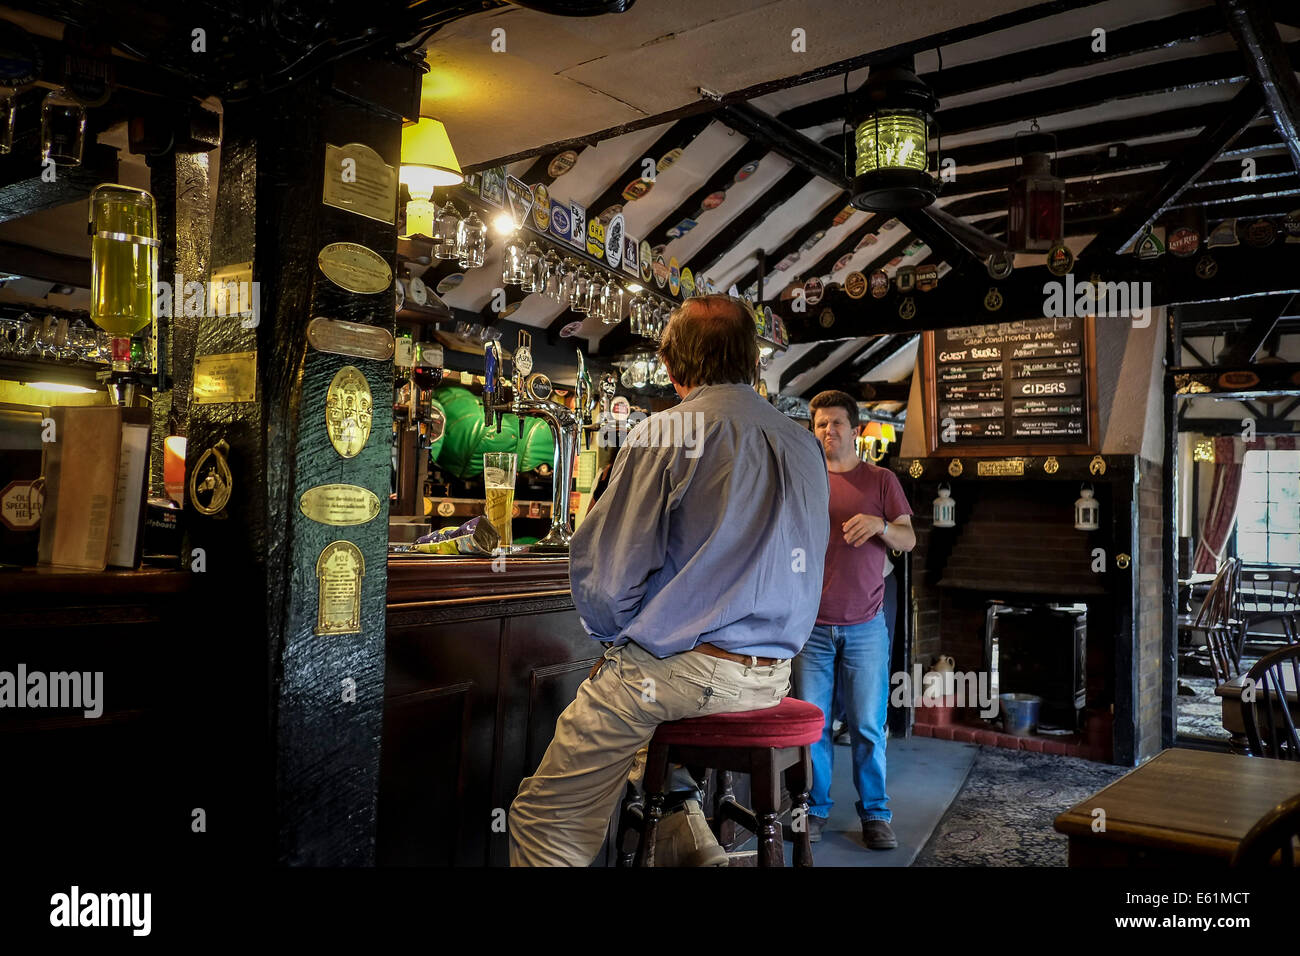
(702, 564)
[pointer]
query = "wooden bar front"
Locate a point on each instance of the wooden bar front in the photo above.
(479, 665)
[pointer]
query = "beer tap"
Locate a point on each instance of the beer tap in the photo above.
(532, 398)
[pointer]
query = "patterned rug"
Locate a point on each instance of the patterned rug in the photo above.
(1004, 812)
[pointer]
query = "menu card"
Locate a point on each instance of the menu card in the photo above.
(1008, 383)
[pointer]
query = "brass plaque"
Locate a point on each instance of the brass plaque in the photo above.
(1001, 468)
(231, 377)
(350, 338)
(339, 571)
(339, 505)
(352, 266)
(230, 291)
(357, 179)
(916, 469)
(954, 467)
(348, 411)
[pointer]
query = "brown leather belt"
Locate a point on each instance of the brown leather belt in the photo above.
(713, 650)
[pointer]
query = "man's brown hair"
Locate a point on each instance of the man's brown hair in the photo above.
(711, 340)
(834, 399)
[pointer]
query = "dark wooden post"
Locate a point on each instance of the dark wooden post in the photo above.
(315, 701)
(1169, 642)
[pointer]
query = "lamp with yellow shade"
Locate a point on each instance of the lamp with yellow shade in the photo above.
(427, 161)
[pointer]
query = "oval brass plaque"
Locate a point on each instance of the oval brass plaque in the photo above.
(350, 338)
(352, 266)
(348, 408)
(339, 505)
(339, 571)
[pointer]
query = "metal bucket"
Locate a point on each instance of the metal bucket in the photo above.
(1019, 713)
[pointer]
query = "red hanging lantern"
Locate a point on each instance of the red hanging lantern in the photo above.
(1036, 200)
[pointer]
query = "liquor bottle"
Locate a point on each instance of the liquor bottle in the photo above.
(124, 264)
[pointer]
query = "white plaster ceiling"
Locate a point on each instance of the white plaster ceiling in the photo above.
(563, 78)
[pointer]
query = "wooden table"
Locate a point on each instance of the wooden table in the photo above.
(1183, 806)
(1230, 692)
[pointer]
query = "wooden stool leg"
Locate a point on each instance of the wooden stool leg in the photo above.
(656, 776)
(767, 803)
(797, 778)
(631, 823)
(724, 825)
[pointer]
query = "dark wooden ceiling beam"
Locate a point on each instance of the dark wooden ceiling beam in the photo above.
(1277, 187)
(1244, 272)
(786, 141)
(1243, 345)
(33, 263)
(1212, 69)
(1040, 61)
(748, 219)
(678, 136)
(869, 225)
(846, 376)
(656, 232)
(811, 359)
(1270, 63)
(1239, 113)
(1189, 119)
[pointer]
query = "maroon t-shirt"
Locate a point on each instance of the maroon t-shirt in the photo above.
(853, 587)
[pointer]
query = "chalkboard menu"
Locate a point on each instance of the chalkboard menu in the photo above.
(1010, 383)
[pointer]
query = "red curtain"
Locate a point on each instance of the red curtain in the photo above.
(1229, 453)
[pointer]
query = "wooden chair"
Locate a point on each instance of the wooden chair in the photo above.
(1215, 619)
(1268, 705)
(1268, 593)
(1274, 835)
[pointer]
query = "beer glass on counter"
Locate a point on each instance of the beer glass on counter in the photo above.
(499, 491)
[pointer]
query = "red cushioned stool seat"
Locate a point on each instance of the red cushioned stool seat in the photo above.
(771, 745)
(791, 723)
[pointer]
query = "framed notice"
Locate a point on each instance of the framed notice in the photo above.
(1006, 388)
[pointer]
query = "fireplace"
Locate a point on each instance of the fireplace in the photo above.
(1014, 546)
(1040, 649)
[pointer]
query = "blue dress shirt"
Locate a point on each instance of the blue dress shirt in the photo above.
(713, 528)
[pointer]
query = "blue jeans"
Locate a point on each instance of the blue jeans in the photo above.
(861, 652)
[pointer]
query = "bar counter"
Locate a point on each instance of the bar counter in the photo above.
(479, 665)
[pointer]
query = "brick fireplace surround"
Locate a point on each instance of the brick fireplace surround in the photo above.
(1015, 541)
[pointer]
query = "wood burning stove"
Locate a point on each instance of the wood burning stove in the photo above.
(1039, 649)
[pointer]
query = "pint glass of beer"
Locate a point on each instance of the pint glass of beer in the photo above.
(499, 490)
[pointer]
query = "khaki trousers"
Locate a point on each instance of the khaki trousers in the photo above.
(561, 813)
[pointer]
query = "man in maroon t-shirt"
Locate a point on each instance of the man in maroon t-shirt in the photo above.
(869, 514)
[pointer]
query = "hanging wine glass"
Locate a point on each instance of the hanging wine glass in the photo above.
(580, 291)
(471, 241)
(640, 373)
(661, 374)
(63, 129)
(514, 262)
(554, 286)
(592, 299)
(446, 225)
(612, 302)
(534, 272)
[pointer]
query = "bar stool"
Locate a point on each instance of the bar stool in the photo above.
(762, 743)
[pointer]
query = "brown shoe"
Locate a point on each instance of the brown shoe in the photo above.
(684, 839)
(878, 835)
